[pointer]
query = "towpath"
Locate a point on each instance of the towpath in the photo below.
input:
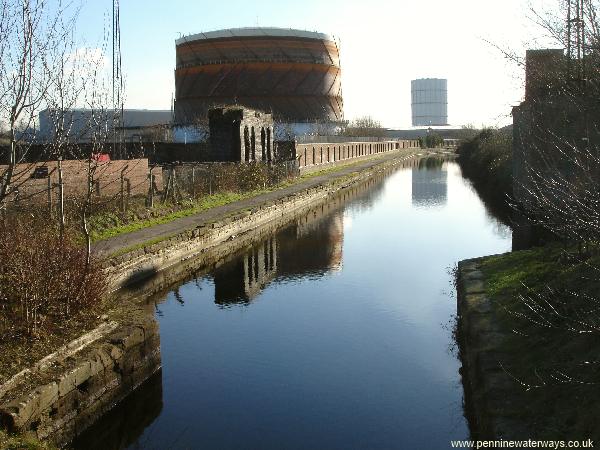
(134, 238)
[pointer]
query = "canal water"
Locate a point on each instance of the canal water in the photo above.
(335, 332)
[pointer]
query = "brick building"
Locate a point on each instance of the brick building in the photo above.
(239, 134)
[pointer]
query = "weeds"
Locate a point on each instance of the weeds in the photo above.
(17, 442)
(43, 280)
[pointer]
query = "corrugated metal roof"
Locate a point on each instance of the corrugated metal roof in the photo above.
(254, 32)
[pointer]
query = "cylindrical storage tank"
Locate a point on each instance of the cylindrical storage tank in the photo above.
(293, 74)
(429, 101)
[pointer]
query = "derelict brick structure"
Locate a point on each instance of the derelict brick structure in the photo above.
(558, 118)
(294, 74)
(240, 134)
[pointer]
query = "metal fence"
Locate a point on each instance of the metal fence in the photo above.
(194, 180)
(337, 139)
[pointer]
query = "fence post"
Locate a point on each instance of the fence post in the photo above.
(193, 181)
(122, 196)
(61, 197)
(167, 186)
(122, 205)
(151, 190)
(50, 195)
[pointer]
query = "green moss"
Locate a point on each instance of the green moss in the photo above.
(538, 349)
(20, 442)
(508, 273)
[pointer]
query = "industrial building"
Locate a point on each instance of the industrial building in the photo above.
(81, 125)
(293, 74)
(429, 102)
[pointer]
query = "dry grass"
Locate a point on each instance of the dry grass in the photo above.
(47, 295)
(546, 301)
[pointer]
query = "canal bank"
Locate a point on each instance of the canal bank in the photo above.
(34, 402)
(144, 254)
(528, 339)
(71, 388)
(489, 392)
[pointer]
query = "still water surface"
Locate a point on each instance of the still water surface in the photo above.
(333, 333)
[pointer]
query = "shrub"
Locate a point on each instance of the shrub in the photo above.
(432, 140)
(486, 159)
(43, 280)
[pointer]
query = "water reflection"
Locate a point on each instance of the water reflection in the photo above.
(430, 183)
(310, 247)
(338, 341)
(121, 427)
(320, 236)
(242, 279)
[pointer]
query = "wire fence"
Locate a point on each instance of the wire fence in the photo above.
(59, 194)
(198, 180)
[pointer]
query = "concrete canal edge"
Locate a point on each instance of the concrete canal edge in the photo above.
(147, 261)
(70, 389)
(488, 390)
(67, 391)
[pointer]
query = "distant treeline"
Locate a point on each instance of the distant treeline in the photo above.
(486, 160)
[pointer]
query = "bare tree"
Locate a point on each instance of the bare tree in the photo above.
(557, 128)
(34, 40)
(364, 126)
(556, 186)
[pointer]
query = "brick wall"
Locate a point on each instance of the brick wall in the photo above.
(107, 178)
(327, 153)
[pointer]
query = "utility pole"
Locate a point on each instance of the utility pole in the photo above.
(576, 45)
(117, 81)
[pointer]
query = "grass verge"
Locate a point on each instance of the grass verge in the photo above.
(107, 225)
(188, 208)
(546, 303)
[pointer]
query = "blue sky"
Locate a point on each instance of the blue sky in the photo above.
(384, 44)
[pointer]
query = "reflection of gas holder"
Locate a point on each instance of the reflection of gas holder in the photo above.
(430, 183)
(325, 224)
